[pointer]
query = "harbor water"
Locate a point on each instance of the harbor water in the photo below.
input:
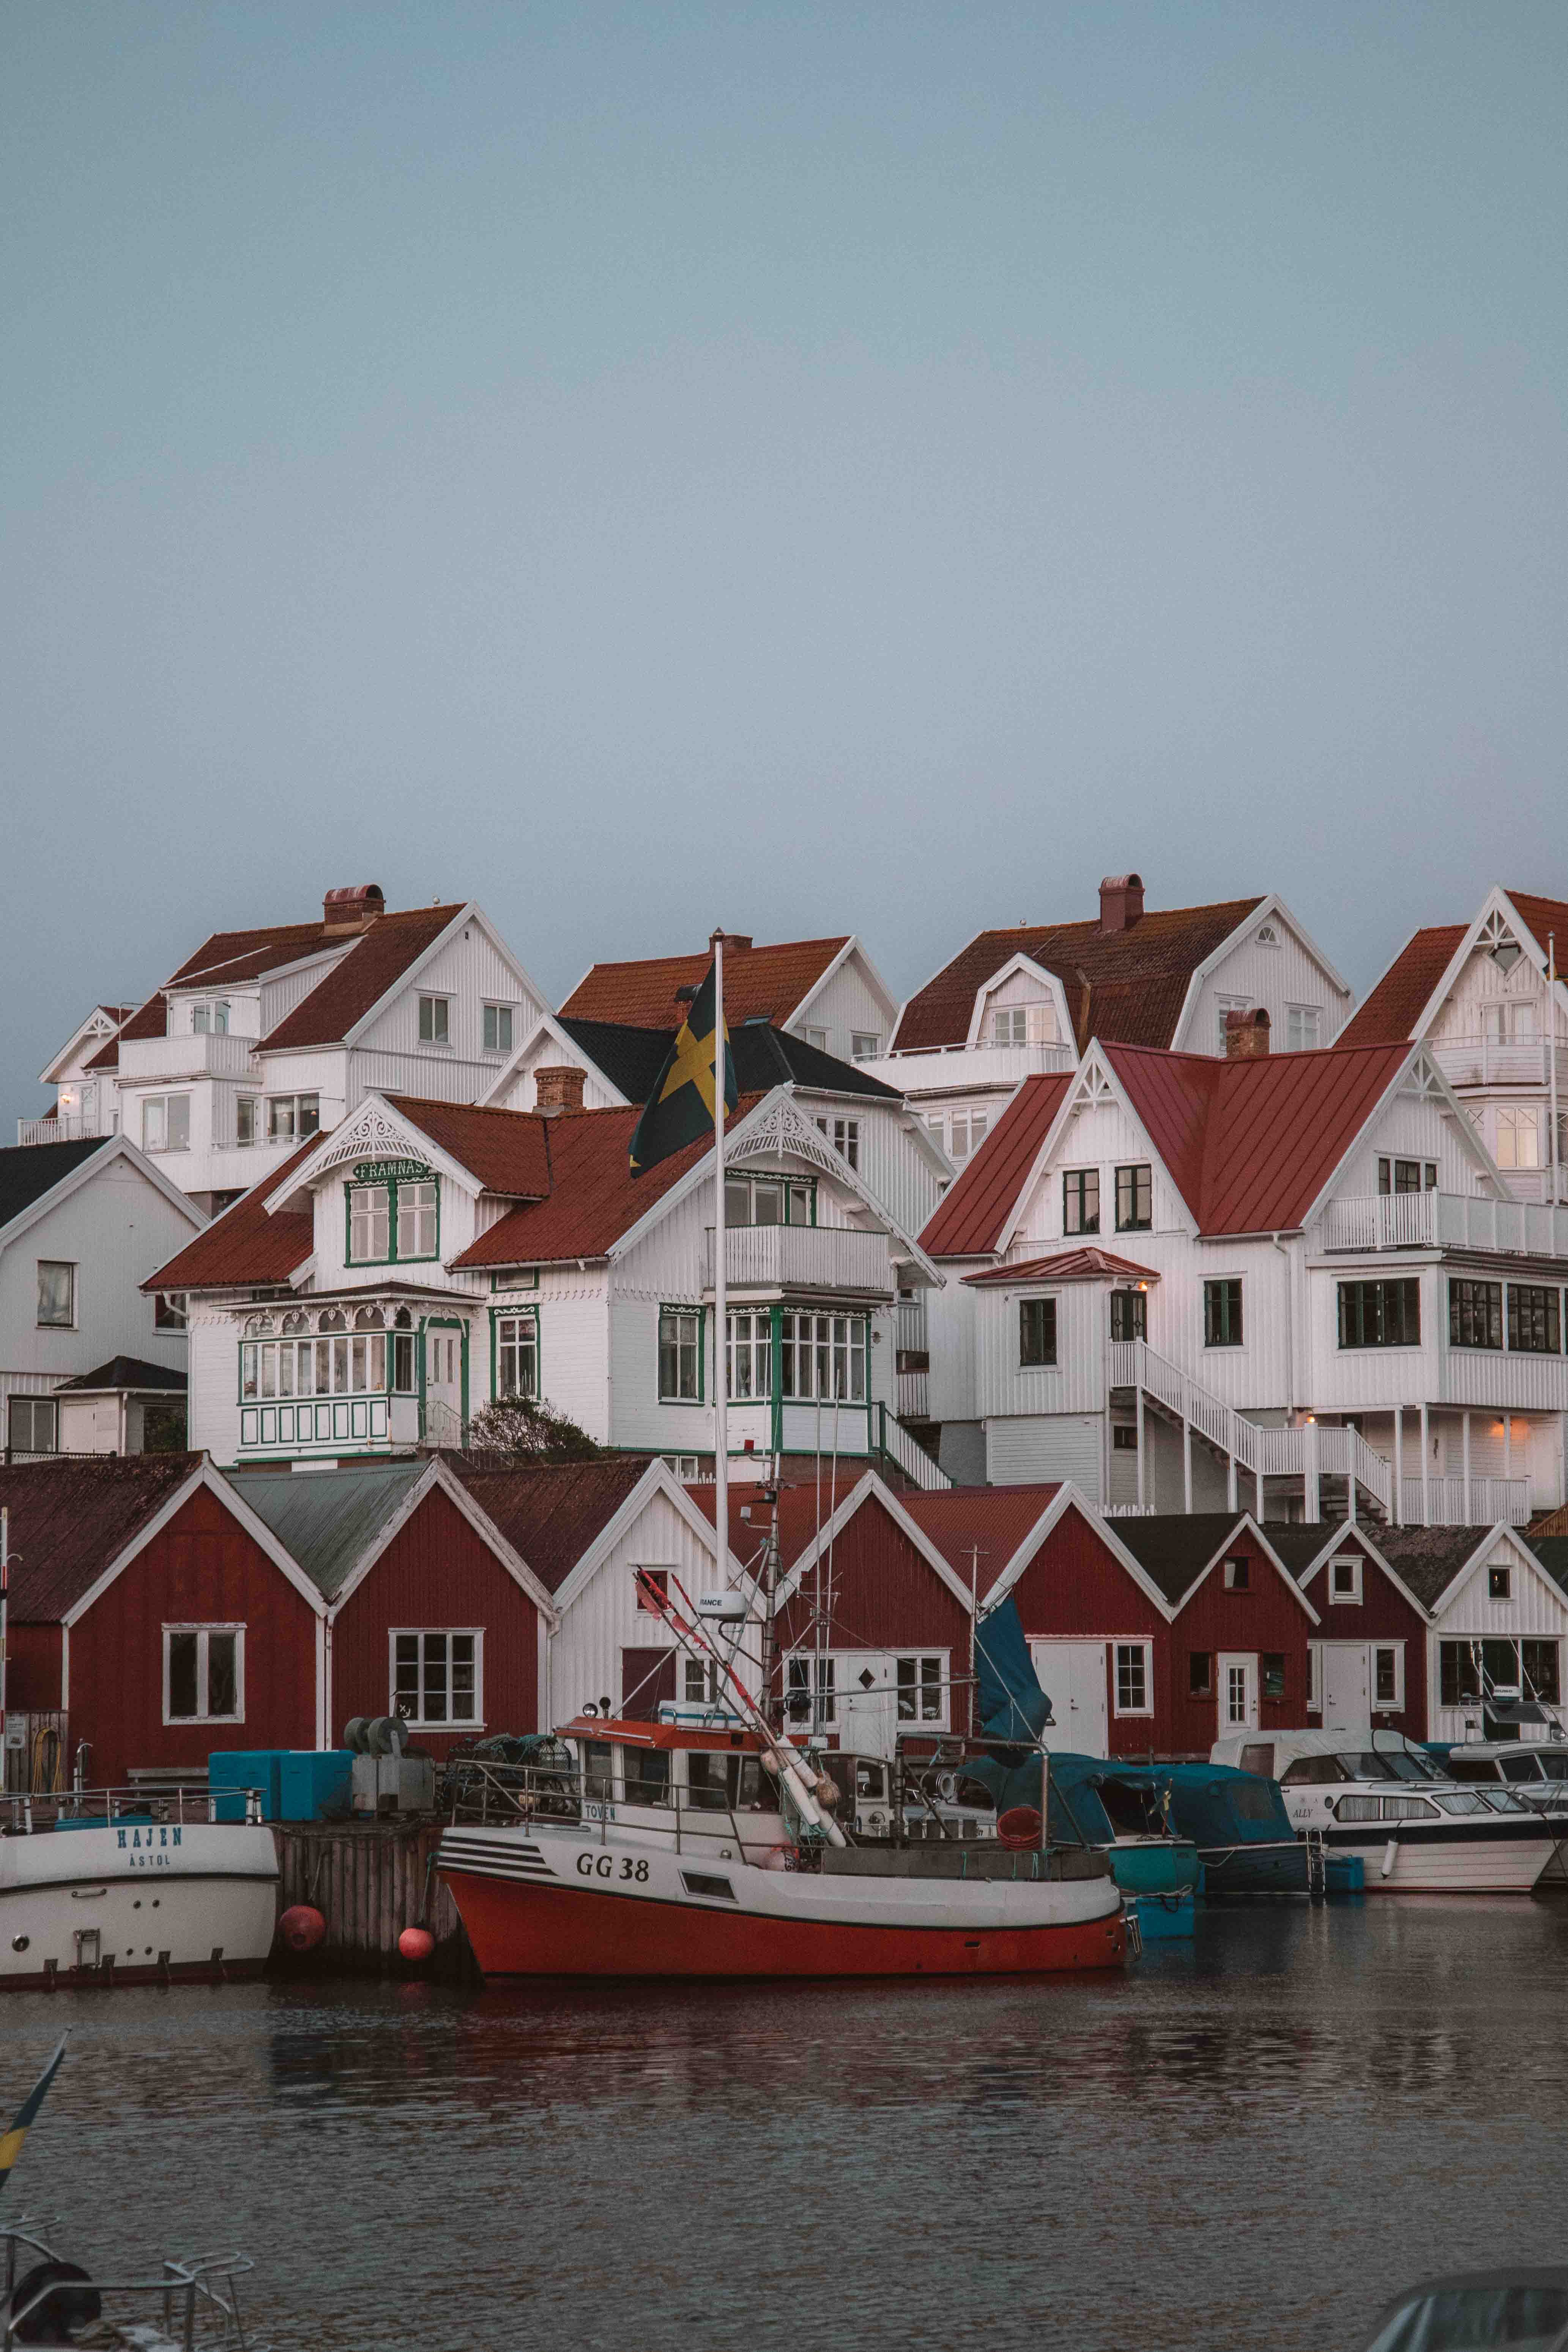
(1244, 2143)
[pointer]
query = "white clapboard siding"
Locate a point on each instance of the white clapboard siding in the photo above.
(1273, 977)
(116, 1228)
(846, 1004)
(471, 971)
(584, 1655)
(1024, 1451)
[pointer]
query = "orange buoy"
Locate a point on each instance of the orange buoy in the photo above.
(301, 1927)
(416, 1943)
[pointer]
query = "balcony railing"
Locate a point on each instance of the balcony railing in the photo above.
(982, 1065)
(806, 1257)
(1473, 1061)
(1467, 1503)
(209, 1056)
(68, 1130)
(1447, 1221)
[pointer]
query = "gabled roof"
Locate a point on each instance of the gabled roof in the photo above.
(1067, 1266)
(550, 1512)
(970, 1216)
(1392, 1009)
(1428, 1560)
(246, 1244)
(763, 1056)
(507, 1152)
(1128, 984)
(30, 1170)
(1305, 1547)
(992, 1520)
(326, 1519)
(71, 1519)
(132, 1372)
(1551, 1551)
(1176, 1549)
(772, 982)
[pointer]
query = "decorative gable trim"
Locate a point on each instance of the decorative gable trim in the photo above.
(1269, 908)
(1417, 1074)
(1498, 919)
(374, 1132)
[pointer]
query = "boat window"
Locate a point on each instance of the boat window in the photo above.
(1359, 1809)
(1472, 1767)
(1476, 2318)
(597, 1780)
(1463, 1800)
(710, 1780)
(1361, 1764)
(1405, 1765)
(1407, 1808)
(1503, 1801)
(1554, 1767)
(708, 1882)
(1520, 1768)
(1253, 1800)
(871, 1781)
(1132, 1809)
(1312, 1773)
(647, 1772)
(1260, 1758)
(759, 1790)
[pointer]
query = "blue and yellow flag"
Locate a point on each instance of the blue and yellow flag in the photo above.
(11, 2141)
(681, 1107)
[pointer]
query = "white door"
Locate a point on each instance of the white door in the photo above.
(443, 1385)
(1347, 1685)
(1237, 1691)
(1072, 1675)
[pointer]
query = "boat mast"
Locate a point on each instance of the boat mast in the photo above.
(721, 1284)
(4, 1598)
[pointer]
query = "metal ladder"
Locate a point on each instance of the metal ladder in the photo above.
(1317, 1863)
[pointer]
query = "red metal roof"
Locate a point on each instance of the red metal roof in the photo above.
(70, 1518)
(1250, 1144)
(970, 1216)
(1068, 1265)
(1129, 984)
(1390, 1012)
(765, 982)
(550, 1513)
(507, 1150)
(997, 1519)
(246, 1244)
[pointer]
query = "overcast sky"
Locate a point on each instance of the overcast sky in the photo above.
(812, 468)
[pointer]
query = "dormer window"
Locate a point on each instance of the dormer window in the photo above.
(392, 1223)
(210, 1020)
(435, 1020)
(1023, 1024)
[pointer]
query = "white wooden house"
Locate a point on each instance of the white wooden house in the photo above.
(1024, 1001)
(424, 1257)
(82, 1226)
(85, 1104)
(267, 1036)
(827, 993)
(1180, 1280)
(1487, 1000)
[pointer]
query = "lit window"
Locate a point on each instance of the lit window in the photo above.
(1518, 1136)
(1133, 1678)
(1037, 1332)
(434, 1021)
(436, 1677)
(498, 1028)
(204, 1674)
(57, 1294)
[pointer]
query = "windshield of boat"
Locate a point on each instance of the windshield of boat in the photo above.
(1465, 1801)
(1554, 1764)
(1476, 2318)
(1407, 1766)
(1502, 1800)
(1361, 1764)
(1523, 1767)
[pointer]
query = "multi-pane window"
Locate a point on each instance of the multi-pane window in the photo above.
(57, 1294)
(1037, 1332)
(210, 1020)
(767, 1201)
(1081, 1201)
(750, 1354)
(1385, 1675)
(1129, 1315)
(32, 1425)
(844, 1134)
(1458, 1674)
(1534, 1319)
(435, 1020)
(1541, 1678)
(336, 1362)
(204, 1674)
(1134, 1199)
(1222, 1312)
(1010, 1025)
(967, 1131)
(1518, 1136)
(918, 1681)
(810, 1696)
(1224, 1004)
(291, 1117)
(370, 1223)
(823, 1356)
(498, 1028)
(166, 1123)
(436, 1677)
(865, 1045)
(1131, 1665)
(415, 1220)
(1303, 1027)
(389, 1222)
(1474, 1313)
(1407, 1176)
(680, 1355)
(517, 1354)
(1381, 1314)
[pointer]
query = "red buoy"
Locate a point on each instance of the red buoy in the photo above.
(416, 1943)
(1018, 1827)
(301, 1927)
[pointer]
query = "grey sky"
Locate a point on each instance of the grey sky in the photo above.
(806, 467)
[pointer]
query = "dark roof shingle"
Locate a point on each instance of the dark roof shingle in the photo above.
(123, 1372)
(763, 1056)
(30, 1170)
(550, 1512)
(70, 1519)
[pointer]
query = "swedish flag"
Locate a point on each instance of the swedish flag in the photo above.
(11, 2141)
(681, 1107)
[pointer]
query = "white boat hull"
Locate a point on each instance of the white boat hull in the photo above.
(1428, 1863)
(136, 1902)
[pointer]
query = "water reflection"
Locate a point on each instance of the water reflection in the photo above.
(1245, 2143)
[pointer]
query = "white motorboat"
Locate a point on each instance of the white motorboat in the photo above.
(1536, 1773)
(1379, 1795)
(111, 1886)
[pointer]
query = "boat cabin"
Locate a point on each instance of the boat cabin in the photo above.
(1537, 1775)
(682, 1783)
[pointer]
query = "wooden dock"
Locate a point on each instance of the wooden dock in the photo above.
(370, 1880)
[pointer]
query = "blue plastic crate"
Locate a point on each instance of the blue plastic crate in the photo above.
(314, 1784)
(236, 1769)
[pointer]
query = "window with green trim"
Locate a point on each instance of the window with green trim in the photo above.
(1222, 1312)
(823, 1356)
(1081, 1201)
(517, 1354)
(769, 1201)
(751, 1354)
(393, 1222)
(680, 1355)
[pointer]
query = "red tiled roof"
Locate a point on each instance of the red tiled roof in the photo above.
(594, 1197)
(765, 983)
(1250, 1144)
(996, 1519)
(1547, 917)
(1127, 984)
(361, 979)
(550, 1512)
(507, 1150)
(70, 1518)
(246, 1244)
(148, 1020)
(1390, 1012)
(1068, 1265)
(969, 1217)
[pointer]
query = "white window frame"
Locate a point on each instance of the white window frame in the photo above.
(685, 1467)
(251, 1103)
(164, 1104)
(440, 1019)
(1147, 1649)
(1238, 1560)
(66, 1322)
(844, 1134)
(812, 1675)
(422, 1634)
(1314, 1678)
(1221, 1005)
(496, 1014)
(294, 1130)
(202, 1631)
(817, 1037)
(209, 1017)
(1515, 1120)
(522, 1344)
(1353, 1598)
(976, 1125)
(1298, 1018)
(919, 1660)
(32, 1406)
(1395, 1704)
(865, 1045)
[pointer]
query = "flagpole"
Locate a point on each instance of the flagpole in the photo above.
(721, 1283)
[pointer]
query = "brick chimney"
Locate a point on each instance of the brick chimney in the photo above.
(558, 1088)
(1121, 901)
(352, 908)
(736, 942)
(1246, 1035)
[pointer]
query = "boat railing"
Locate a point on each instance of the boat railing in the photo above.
(28, 1814)
(483, 1793)
(197, 2300)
